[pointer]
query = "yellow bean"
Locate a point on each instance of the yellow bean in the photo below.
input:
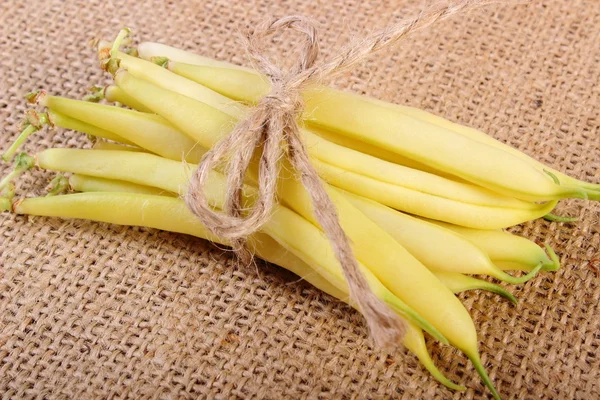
(83, 183)
(66, 122)
(159, 76)
(506, 250)
(146, 130)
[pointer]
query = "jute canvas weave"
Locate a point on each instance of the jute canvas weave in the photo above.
(96, 311)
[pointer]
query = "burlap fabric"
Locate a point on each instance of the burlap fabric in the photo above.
(92, 310)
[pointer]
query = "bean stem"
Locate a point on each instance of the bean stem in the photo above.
(23, 162)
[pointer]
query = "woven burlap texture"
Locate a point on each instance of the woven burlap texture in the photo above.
(92, 310)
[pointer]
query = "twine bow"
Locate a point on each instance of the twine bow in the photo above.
(272, 126)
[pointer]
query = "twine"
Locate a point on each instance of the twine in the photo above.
(271, 126)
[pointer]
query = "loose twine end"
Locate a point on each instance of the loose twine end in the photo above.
(272, 126)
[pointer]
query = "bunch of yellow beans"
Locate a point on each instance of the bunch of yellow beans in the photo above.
(423, 200)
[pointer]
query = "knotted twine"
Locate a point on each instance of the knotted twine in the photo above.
(272, 128)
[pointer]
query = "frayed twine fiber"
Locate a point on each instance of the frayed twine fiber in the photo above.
(272, 127)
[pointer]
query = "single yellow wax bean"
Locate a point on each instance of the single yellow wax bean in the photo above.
(146, 130)
(83, 183)
(506, 250)
(148, 50)
(485, 138)
(64, 121)
(159, 76)
(171, 105)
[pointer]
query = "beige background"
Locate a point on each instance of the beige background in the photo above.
(96, 311)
